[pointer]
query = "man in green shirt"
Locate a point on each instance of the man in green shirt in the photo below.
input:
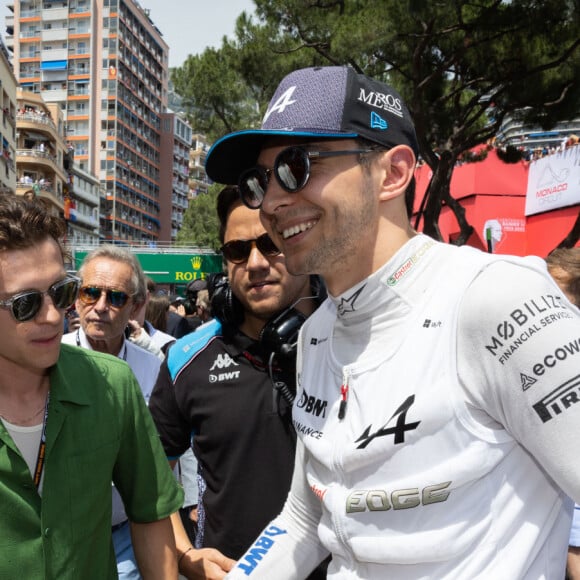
(71, 422)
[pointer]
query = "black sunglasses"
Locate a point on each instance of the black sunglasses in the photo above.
(292, 171)
(238, 251)
(91, 294)
(26, 305)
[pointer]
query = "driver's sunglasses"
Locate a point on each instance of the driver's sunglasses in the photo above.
(238, 251)
(291, 169)
(90, 295)
(25, 306)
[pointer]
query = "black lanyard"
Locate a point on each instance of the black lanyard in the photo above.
(42, 447)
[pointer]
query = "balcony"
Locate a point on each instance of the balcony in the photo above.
(86, 196)
(42, 158)
(31, 120)
(54, 54)
(54, 34)
(87, 221)
(54, 96)
(44, 191)
(52, 14)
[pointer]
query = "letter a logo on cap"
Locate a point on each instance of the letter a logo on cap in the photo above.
(377, 122)
(281, 103)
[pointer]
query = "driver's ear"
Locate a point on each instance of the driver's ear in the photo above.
(398, 166)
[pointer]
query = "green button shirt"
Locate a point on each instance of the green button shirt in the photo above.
(98, 431)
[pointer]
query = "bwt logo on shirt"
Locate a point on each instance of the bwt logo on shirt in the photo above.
(223, 361)
(312, 405)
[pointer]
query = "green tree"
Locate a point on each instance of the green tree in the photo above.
(200, 222)
(461, 66)
(228, 89)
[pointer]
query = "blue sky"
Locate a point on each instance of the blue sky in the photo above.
(189, 26)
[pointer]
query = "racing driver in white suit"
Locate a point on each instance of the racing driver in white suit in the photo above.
(438, 404)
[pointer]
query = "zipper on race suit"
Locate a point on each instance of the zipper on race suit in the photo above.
(343, 395)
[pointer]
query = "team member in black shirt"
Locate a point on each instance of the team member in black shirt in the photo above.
(227, 389)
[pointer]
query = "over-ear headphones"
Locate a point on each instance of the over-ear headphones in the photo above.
(280, 334)
(224, 305)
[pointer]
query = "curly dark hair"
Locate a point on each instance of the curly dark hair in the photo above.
(24, 223)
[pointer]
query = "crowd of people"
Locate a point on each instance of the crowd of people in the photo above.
(349, 399)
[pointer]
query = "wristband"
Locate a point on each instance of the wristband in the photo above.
(183, 554)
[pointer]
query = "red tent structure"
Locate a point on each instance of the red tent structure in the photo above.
(493, 194)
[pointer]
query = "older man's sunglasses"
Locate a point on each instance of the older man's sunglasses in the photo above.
(25, 306)
(291, 169)
(91, 295)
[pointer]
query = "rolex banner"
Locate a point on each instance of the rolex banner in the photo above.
(554, 181)
(173, 267)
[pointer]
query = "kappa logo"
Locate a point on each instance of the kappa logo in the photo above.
(527, 381)
(223, 361)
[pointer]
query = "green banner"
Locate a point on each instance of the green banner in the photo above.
(167, 268)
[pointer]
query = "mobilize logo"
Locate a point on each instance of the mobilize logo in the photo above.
(312, 405)
(260, 548)
(559, 400)
(223, 361)
(523, 322)
(397, 430)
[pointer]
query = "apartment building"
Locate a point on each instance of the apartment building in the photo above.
(41, 151)
(8, 126)
(198, 179)
(82, 206)
(514, 132)
(176, 137)
(105, 64)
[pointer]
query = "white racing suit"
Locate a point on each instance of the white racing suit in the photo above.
(457, 446)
